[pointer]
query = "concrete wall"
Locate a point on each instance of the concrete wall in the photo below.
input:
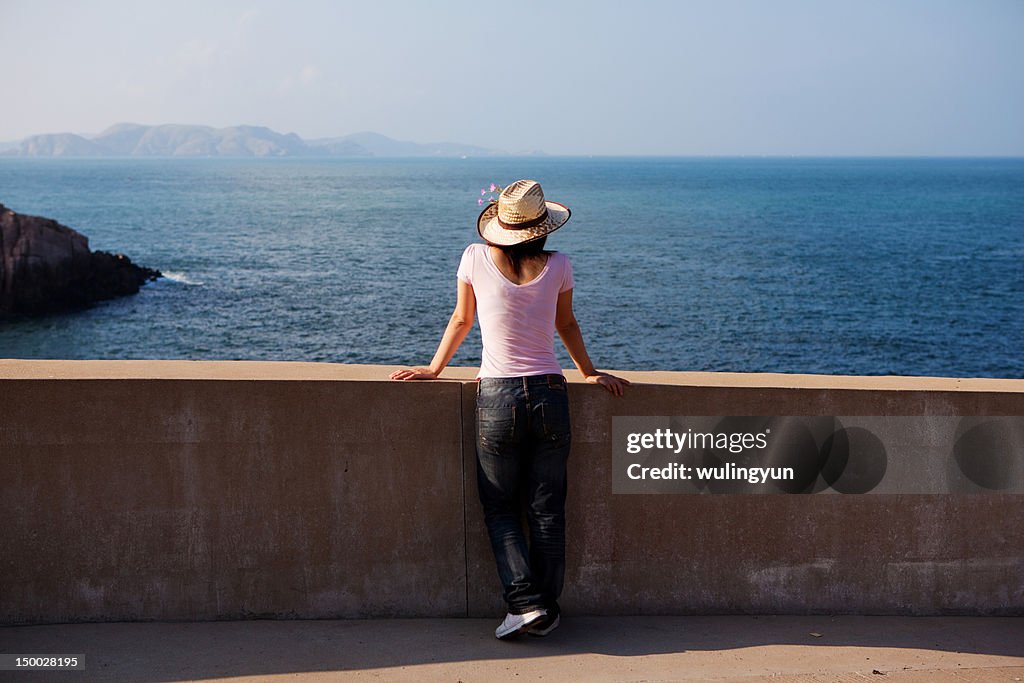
(135, 490)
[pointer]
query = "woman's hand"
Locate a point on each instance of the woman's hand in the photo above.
(616, 385)
(414, 373)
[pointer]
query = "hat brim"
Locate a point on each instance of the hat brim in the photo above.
(493, 233)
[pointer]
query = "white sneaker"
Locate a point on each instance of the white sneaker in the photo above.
(544, 627)
(514, 624)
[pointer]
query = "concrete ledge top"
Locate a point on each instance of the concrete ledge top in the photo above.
(289, 370)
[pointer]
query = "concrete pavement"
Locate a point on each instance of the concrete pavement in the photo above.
(720, 648)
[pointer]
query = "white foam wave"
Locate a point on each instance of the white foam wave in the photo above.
(178, 276)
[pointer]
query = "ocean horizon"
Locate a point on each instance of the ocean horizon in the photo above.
(827, 264)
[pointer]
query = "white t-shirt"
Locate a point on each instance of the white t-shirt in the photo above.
(517, 322)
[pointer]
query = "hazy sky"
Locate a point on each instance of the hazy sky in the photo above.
(930, 77)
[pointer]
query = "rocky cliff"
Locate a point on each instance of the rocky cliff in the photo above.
(47, 267)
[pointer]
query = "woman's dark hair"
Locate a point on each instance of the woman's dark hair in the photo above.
(517, 253)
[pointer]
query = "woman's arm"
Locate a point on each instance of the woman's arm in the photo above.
(572, 337)
(458, 327)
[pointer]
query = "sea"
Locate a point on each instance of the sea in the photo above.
(852, 266)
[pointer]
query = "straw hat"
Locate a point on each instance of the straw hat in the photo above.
(520, 215)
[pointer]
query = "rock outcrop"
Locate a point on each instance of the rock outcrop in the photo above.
(47, 267)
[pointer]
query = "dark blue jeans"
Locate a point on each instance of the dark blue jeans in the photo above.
(522, 446)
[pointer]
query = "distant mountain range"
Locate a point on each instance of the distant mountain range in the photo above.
(171, 140)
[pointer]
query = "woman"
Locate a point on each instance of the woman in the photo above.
(523, 294)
